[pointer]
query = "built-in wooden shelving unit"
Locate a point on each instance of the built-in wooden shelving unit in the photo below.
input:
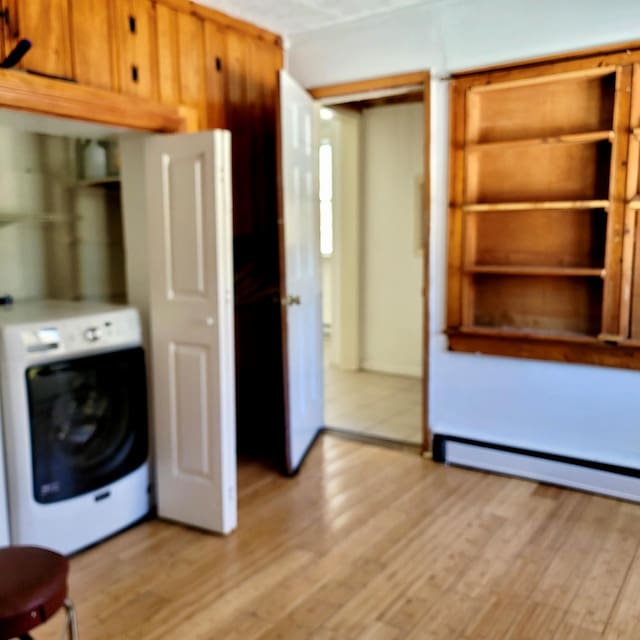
(542, 165)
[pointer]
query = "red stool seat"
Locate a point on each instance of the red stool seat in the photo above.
(33, 586)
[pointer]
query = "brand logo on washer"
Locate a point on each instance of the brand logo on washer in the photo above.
(49, 488)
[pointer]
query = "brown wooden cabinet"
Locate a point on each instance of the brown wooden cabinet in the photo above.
(215, 59)
(543, 231)
(45, 23)
(181, 60)
(167, 48)
(135, 38)
(93, 38)
(191, 62)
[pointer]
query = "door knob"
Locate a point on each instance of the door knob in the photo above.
(210, 321)
(291, 300)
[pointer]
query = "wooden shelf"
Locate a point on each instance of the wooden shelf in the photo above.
(532, 206)
(515, 270)
(561, 347)
(525, 334)
(569, 138)
(634, 203)
(39, 218)
(106, 182)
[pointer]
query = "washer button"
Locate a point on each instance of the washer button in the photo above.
(92, 334)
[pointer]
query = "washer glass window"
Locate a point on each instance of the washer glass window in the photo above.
(88, 420)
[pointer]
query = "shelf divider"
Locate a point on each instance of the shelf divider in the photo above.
(521, 270)
(568, 138)
(536, 205)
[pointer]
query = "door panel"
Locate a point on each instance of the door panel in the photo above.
(191, 313)
(215, 60)
(135, 33)
(93, 43)
(303, 297)
(46, 24)
(191, 63)
(167, 47)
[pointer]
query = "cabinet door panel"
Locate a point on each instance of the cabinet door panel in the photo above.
(215, 62)
(167, 46)
(192, 67)
(93, 43)
(46, 24)
(135, 29)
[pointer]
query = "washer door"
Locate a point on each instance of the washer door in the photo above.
(88, 421)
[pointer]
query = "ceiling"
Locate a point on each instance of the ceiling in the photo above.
(287, 17)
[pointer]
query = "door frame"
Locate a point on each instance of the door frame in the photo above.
(399, 81)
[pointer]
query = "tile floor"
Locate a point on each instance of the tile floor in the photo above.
(373, 404)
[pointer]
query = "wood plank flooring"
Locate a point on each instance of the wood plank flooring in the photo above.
(373, 543)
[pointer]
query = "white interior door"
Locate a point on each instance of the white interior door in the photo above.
(189, 223)
(303, 299)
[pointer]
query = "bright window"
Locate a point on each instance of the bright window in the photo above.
(326, 199)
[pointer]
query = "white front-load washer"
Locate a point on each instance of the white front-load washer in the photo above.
(74, 422)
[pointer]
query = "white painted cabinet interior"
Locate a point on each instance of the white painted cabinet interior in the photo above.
(302, 265)
(178, 237)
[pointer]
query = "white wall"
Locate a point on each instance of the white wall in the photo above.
(34, 257)
(392, 166)
(583, 411)
(77, 257)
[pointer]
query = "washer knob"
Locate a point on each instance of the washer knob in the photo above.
(92, 334)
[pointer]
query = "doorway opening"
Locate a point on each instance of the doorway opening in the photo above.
(373, 191)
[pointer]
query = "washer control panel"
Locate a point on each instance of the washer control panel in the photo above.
(82, 333)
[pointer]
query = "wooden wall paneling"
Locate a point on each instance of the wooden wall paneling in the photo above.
(46, 24)
(136, 37)
(611, 308)
(93, 40)
(191, 55)
(250, 115)
(456, 194)
(215, 69)
(168, 55)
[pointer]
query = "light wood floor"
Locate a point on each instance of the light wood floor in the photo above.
(373, 543)
(374, 404)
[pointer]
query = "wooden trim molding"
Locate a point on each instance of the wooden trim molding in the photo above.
(26, 92)
(222, 19)
(567, 56)
(581, 351)
(371, 84)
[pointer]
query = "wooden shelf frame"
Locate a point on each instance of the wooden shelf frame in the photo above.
(106, 182)
(482, 247)
(589, 137)
(536, 205)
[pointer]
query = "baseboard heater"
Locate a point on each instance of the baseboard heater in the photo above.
(587, 475)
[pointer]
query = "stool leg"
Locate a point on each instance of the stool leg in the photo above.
(72, 621)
